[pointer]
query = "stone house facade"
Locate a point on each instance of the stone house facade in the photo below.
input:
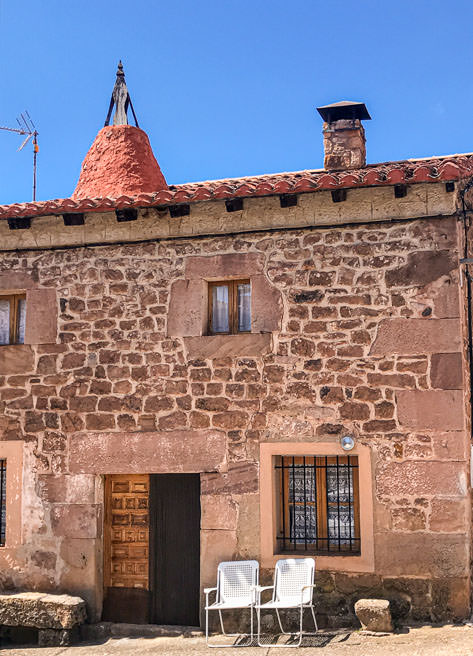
(115, 400)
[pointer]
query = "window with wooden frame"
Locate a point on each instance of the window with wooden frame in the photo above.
(229, 307)
(12, 319)
(318, 504)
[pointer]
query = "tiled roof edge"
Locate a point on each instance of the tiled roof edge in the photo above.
(435, 169)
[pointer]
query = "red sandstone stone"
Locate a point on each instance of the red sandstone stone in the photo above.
(408, 519)
(16, 359)
(420, 554)
(421, 478)
(354, 411)
(448, 515)
(446, 371)
(154, 452)
(417, 336)
(41, 316)
(74, 520)
(120, 162)
(437, 410)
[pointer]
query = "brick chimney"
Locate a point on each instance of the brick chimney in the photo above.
(344, 135)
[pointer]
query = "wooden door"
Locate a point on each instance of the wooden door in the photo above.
(175, 552)
(126, 549)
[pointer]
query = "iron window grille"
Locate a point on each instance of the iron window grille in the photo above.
(3, 495)
(318, 504)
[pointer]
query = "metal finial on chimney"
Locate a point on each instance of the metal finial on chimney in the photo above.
(121, 100)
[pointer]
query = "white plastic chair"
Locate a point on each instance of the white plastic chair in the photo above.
(293, 588)
(237, 581)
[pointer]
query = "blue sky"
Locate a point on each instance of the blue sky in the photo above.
(229, 87)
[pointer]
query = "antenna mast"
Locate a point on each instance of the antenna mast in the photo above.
(28, 128)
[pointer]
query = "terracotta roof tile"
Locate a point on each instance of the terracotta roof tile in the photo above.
(450, 168)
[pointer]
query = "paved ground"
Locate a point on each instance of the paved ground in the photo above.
(422, 641)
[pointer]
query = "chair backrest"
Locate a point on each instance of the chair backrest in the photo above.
(235, 579)
(290, 575)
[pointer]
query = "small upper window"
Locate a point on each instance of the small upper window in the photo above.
(12, 319)
(229, 307)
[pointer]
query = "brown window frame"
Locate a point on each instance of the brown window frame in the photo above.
(287, 541)
(232, 305)
(14, 316)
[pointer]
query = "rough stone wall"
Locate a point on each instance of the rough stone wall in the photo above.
(370, 344)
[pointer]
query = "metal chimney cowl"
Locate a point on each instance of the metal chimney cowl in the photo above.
(344, 135)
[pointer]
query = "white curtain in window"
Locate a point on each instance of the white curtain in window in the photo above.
(21, 320)
(220, 309)
(4, 322)
(244, 307)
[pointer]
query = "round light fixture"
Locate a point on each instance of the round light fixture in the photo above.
(347, 442)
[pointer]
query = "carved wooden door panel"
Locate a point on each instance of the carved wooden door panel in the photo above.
(126, 545)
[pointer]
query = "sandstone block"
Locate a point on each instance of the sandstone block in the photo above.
(16, 359)
(41, 316)
(242, 265)
(186, 308)
(433, 555)
(221, 346)
(450, 446)
(446, 371)
(422, 268)
(417, 336)
(216, 546)
(74, 520)
(440, 410)
(171, 451)
(239, 479)
(219, 512)
(42, 611)
(448, 515)
(419, 477)
(374, 615)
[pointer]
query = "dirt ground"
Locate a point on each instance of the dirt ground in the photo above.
(420, 641)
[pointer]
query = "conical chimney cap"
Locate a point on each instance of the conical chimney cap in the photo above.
(120, 161)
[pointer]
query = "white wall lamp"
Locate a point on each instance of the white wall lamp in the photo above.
(347, 442)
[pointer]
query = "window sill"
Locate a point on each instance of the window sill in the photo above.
(220, 346)
(16, 359)
(332, 554)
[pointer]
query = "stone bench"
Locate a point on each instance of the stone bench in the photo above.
(57, 617)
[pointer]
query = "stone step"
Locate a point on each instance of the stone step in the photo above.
(103, 630)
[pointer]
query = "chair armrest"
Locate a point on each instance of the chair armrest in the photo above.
(305, 587)
(208, 590)
(258, 589)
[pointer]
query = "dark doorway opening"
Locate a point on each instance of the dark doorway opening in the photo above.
(175, 548)
(152, 549)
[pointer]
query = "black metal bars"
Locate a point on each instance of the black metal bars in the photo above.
(318, 504)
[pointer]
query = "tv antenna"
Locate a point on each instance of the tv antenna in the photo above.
(28, 128)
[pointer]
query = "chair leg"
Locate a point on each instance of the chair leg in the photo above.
(221, 621)
(313, 617)
(300, 627)
(258, 627)
(228, 635)
(280, 623)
